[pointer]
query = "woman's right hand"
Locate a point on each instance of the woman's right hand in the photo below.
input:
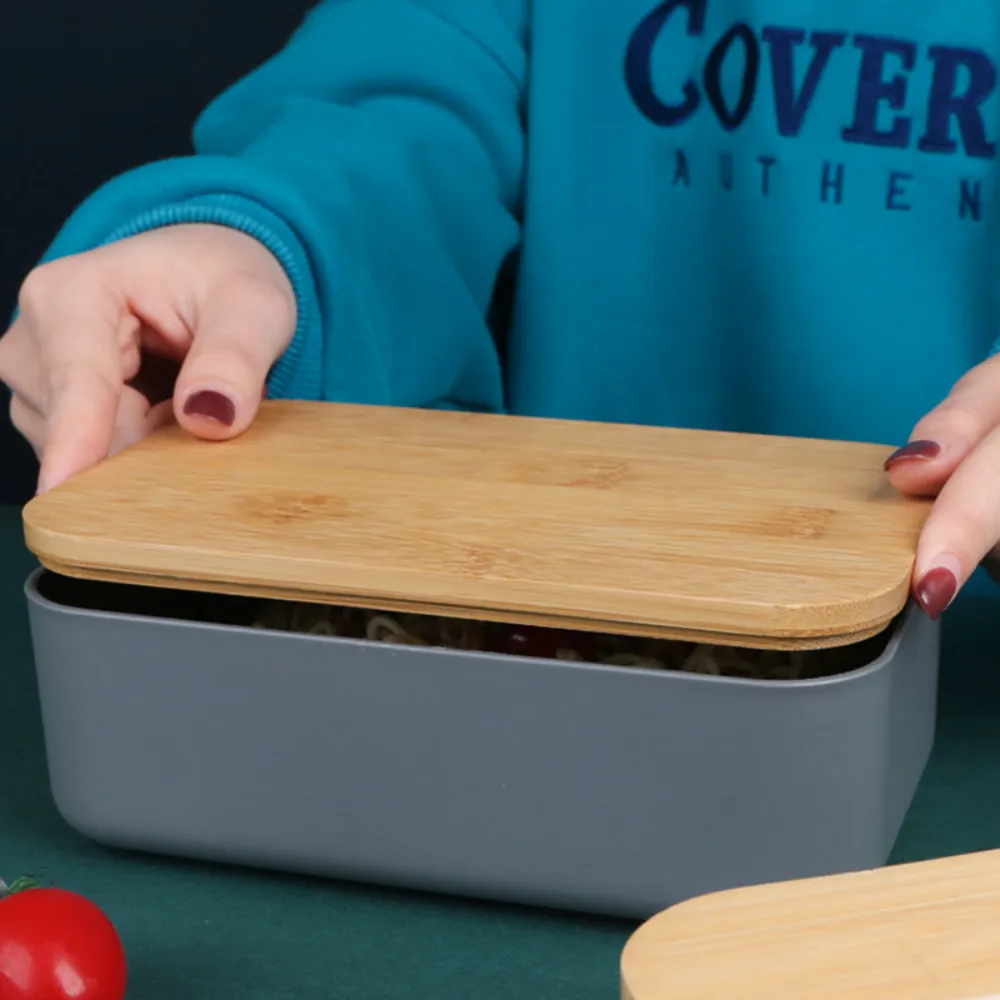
(182, 323)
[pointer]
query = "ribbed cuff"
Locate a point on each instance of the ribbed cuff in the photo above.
(298, 373)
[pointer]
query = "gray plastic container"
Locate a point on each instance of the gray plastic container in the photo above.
(584, 787)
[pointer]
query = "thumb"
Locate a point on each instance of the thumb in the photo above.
(243, 327)
(949, 433)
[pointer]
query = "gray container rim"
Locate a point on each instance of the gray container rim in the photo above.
(33, 595)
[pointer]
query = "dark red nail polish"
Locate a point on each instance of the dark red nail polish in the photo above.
(935, 591)
(914, 451)
(212, 405)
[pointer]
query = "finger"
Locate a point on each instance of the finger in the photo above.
(28, 422)
(962, 528)
(949, 433)
(81, 423)
(137, 419)
(19, 368)
(242, 330)
(160, 415)
(74, 318)
(84, 375)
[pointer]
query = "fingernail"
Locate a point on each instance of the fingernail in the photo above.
(936, 589)
(915, 451)
(213, 405)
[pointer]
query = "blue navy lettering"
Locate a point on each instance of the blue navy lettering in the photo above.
(893, 94)
(790, 108)
(639, 59)
(765, 178)
(893, 197)
(885, 67)
(970, 200)
(832, 180)
(946, 104)
(682, 173)
(874, 90)
(733, 119)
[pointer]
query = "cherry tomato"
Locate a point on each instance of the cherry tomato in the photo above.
(56, 945)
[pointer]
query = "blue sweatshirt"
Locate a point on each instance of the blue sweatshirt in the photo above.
(761, 215)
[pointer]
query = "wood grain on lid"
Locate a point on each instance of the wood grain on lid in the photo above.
(926, 931)
(752, 540)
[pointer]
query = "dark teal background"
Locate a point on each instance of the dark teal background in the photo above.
(88, 90)
(197, 932)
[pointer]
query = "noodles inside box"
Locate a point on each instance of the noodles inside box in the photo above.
(592, 666)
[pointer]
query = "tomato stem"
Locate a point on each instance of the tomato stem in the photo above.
(18, 885)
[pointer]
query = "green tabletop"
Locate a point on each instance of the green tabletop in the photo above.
(211, 933)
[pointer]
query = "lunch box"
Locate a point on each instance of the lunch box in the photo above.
(175, 723)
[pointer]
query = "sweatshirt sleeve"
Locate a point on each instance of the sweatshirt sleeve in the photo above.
(379, 156)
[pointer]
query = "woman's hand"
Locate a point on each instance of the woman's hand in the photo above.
(954, 454)
(179, 323)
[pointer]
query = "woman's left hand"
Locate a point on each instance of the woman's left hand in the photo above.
(954, 455)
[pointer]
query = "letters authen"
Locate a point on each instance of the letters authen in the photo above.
(951, 121)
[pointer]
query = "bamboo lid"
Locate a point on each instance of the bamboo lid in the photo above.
(746, 540)
(927, 931)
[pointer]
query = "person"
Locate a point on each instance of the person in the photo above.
(774, 217)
